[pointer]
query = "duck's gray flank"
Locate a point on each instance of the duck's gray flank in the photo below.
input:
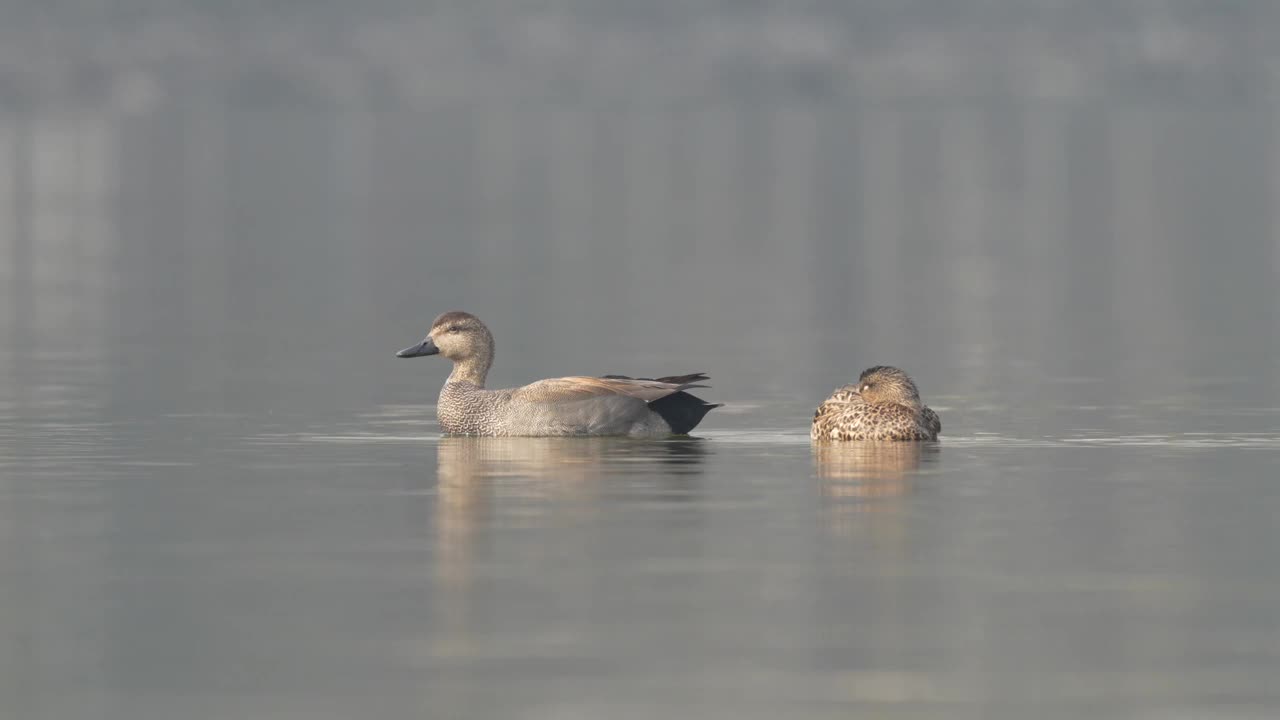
(883, 405)
(609, 405)
(682, 411)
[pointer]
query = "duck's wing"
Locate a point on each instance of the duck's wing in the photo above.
(574, 388)
(839, 419)
(682, 410)
(672, 379)
(609, 405)
(843, 395)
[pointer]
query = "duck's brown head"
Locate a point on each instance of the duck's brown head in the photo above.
(885, 384)
(458, 336)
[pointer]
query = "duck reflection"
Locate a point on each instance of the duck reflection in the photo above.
(869, 470)
(867, 477)
(486, 485)
(566, 460)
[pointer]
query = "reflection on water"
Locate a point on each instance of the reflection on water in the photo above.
(565, 462)
(857, 478)
(533, 482)
(869, 470)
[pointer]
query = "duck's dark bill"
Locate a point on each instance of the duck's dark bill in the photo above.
(426, 347)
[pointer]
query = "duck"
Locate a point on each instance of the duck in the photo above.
(883, 405)
(576, 405)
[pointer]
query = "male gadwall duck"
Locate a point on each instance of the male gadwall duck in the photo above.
(609, 405)
(883, 405)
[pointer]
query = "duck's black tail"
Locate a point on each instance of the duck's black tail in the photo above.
(681, 410)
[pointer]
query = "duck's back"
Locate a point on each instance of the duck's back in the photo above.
(839, 419)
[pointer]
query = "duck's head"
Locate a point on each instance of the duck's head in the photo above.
(884, 384)
(456, 335)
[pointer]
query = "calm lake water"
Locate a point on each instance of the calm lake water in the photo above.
(222, 496)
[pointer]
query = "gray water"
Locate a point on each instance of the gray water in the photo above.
(222, 496)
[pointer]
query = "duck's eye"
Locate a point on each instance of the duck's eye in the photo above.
(454, 328)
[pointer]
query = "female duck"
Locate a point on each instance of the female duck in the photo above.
(883, 405)
(609, 405)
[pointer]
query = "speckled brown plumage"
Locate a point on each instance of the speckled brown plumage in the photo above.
(611, 405)
(883, 405)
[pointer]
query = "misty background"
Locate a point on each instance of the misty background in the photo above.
(988, 193)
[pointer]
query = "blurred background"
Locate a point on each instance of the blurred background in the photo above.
(219, 221)
(988, 193)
